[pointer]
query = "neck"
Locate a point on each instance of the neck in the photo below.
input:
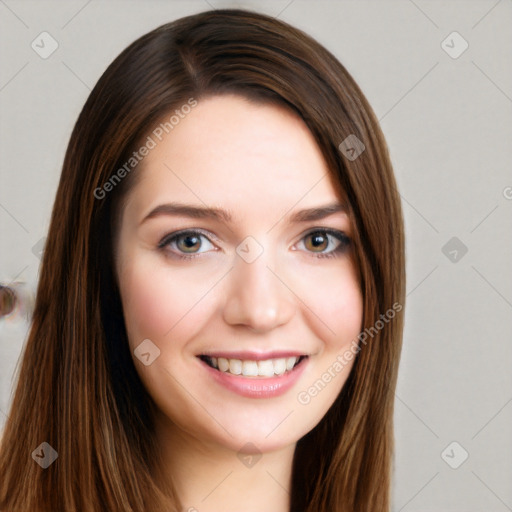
(210, 477)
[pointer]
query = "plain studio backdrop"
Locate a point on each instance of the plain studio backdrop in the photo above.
(438, 75)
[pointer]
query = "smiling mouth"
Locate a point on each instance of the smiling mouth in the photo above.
(249, 368)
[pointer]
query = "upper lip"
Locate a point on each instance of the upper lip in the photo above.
(249, 355)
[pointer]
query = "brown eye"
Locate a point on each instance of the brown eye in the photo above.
(188, 243)
(318, 242)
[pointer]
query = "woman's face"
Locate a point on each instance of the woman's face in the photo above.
(224, 260)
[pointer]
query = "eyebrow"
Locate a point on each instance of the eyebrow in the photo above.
(218, 214)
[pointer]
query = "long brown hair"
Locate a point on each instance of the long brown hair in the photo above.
(77, 387)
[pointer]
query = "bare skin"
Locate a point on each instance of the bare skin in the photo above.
(261, 164)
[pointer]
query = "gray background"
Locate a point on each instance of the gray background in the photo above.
(448, 125)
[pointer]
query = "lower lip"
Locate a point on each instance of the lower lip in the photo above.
(258, 387)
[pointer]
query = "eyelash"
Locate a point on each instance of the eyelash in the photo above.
(339, 235)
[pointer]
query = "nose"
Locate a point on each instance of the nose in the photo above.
(257, 297)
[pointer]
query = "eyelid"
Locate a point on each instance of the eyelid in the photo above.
(208, 234)
(167, 238)
(339, 235)
(325, 229)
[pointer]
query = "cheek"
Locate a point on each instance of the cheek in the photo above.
(346, 312)
(160, 305)
(145, 308)
(336, 318)
(334, 305)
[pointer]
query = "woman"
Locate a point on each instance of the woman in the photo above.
(219, 315)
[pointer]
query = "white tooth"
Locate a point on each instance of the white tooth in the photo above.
(250, 368)
(223, 364)
(235, 366)
(214, 362)
(279, 366)
(266, 368)
(290, 362)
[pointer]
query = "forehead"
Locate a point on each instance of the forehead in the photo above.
(231, 152)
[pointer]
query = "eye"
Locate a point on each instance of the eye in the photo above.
(326, 243)
(186, 244)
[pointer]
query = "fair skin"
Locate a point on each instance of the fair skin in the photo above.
(260, 163)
